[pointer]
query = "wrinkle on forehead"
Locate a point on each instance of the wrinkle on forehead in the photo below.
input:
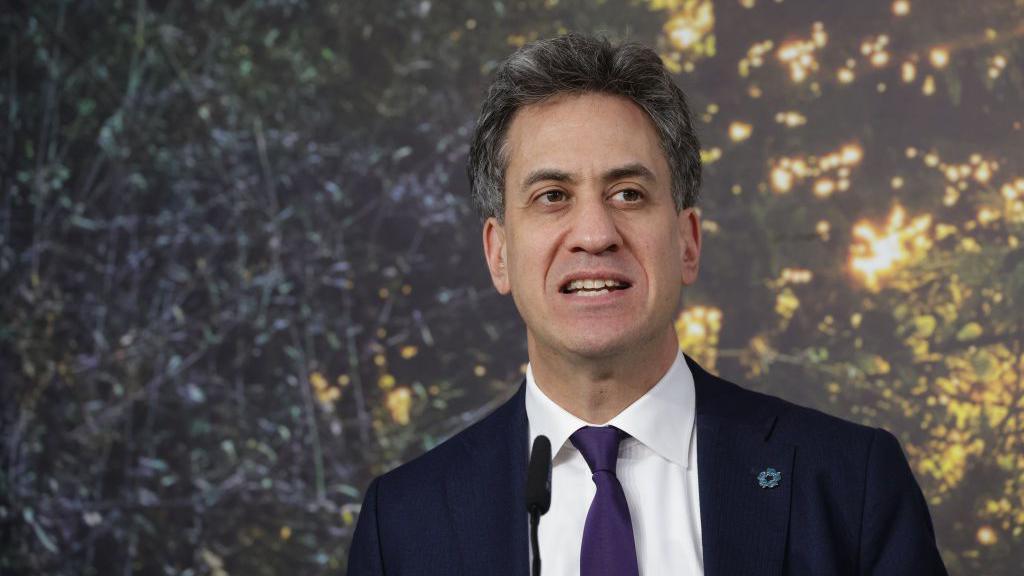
(561, 126)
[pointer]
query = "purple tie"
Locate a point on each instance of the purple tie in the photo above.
(608, 547)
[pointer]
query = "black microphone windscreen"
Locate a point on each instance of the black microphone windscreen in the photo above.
(538, 476)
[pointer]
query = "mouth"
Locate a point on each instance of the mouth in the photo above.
(593, 286)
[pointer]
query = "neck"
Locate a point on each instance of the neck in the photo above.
(597, 389)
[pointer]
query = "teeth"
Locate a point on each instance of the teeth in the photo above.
(599, 285)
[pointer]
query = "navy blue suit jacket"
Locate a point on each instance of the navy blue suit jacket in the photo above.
(847, 502)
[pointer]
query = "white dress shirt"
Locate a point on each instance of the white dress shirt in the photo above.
(657, 468)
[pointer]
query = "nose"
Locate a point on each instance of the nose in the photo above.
(593, 227)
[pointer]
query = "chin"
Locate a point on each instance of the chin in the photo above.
(598, 347)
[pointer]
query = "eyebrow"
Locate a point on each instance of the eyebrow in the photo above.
(545, 174)
(632, 170)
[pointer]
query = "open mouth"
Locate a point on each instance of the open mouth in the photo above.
(593, 287)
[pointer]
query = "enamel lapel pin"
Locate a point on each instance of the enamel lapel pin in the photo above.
(769, 478)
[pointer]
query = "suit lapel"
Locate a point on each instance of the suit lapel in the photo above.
(744, 526)
(486, 494)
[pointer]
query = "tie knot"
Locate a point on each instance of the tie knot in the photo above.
(599, 446)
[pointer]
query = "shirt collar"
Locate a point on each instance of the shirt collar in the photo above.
(662, 419)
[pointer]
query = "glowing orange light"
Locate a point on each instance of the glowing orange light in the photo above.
(851, 154)
(908, 71)
(901, 7)
(822, 228)
(782, 179)
(983, 173)
(951, 196)
(996, 66)
(795, 276)
(1013, 191)
(987, 216)
(697, 329)
(879, 252)
(799, 167)
(928, 88)
(740, 131)
(710, 155)
(399, 402)
(798, 55)
(824, 188)
(690, 26)
(791, 118)
(939, 57)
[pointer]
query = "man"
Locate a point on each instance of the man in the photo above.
(586, 168)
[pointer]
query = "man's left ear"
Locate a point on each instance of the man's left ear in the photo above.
(689, 241)
(496, 253)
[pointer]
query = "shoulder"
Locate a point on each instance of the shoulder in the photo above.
(806, 426)
(855, 483)
(828, 447)
(427, 470)
(728, 403)
(832, 448)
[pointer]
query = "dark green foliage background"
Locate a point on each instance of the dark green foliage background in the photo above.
(204, 203)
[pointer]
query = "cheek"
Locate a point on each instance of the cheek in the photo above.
(663, 258)
(525, 262)
(530, 253)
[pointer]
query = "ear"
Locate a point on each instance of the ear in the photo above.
(496, 254)
(689, 240)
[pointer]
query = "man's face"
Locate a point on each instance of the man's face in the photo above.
(591, 248)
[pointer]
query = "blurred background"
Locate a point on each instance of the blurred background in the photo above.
(241, 274)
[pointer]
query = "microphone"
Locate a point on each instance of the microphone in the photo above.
(538, 491)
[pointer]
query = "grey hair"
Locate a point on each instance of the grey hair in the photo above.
(577, 64)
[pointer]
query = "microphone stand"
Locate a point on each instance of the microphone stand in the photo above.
(538, 491)
(534, 524)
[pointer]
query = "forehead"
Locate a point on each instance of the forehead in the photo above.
(583, 133)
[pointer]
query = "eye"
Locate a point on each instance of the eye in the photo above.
(629, 195)
(551, 196)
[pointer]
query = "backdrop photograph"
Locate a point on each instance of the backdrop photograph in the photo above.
(241, 274)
